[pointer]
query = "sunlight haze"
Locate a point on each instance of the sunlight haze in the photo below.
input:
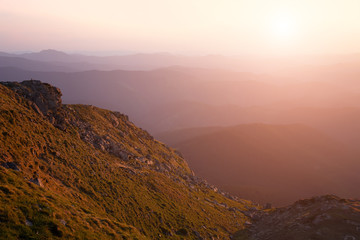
(180, 119)
(205, 26)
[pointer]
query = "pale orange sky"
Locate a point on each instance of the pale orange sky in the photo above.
(183, 26)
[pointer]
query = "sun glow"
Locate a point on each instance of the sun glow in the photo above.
(229, 27)
(283, 27)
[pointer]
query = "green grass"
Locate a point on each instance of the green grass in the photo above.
(91, 194)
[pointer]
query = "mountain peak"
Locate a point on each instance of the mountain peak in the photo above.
(52, 52)
(48, 55)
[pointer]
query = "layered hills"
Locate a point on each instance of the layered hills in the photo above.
(267, 162)
(179, 97)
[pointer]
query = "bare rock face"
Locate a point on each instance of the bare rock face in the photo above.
(43, 98)
(46, 98)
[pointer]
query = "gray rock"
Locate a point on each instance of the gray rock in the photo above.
(320, 218)
(349, 237)
(37, 181)
(114, 120)
(63, 222)
(267, 206)
(46, 98)
(247, 223)
(28, 223)
(11, 165)
(198, 236)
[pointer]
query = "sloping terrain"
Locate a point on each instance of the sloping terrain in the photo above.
(81, 172)
(269, 163)
(319, 218)
(22, 63)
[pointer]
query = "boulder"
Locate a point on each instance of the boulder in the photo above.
(114, 120)
(47, 98)
(37, 181)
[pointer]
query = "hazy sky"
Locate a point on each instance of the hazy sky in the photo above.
(182, 26)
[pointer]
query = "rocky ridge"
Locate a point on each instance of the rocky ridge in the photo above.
(45, 99)
(81, 172)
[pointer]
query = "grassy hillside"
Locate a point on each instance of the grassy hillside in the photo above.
(80, 172)
(264, 162)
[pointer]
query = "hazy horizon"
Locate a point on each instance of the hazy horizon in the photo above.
(109, 53)
(270, 28)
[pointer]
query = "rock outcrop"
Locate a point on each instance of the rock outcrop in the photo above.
(46, 98)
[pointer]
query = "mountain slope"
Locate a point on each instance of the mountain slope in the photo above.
(81, 172)
(326, 217)
(264, 162)
(76, 171)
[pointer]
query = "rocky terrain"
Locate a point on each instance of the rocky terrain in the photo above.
(81, 172)
(325, 217)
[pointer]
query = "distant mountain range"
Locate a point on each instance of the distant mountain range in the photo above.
(279, 66)
(178, 97)
(275, 163)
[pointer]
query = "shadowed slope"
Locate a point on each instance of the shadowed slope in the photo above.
(277, 163)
